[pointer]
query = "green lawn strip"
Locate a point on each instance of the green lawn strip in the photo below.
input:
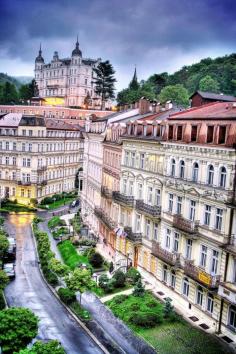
(79, 311)
(57, 203)
(70, 255)
(16, 207)
(176, 337)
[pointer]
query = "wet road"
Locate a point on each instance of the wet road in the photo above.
(29, 290)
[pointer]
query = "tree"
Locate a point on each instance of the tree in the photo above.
(80, 280)
(96, 260)
(168, 308)
(4, 279)
(207, 83)
(119, 279)
(104, 81)
(176, 93)
(4, 244)
(51, 347)
(18, 326)
(139, 289)
(27, 91)
(58, 267)
(8, 93)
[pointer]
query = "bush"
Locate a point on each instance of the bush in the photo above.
(51, 278)
(56, 221)
(119, 279)
(66, 295)
(95, 259)
(133, 275)
(103, 280)
(139, 289)
(2, 301)
(119, 299)
(145, 319)
(33, 201)
(46, 200)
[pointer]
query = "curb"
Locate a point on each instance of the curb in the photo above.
(68, 309)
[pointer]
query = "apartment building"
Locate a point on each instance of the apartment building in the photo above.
(176, 207)
(38, 156)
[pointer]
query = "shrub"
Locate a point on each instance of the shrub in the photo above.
(111, 267)
(119, 279)
(96, 259)
(139, 289)
(56, 221)
(145, 319)
(119, 299)
(66, 295)
(34, 201)
(51, 278)
(2, 301)
(46, 200)
(133, 275)
(103, 280)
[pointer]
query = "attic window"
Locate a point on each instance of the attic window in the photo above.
(210, 131)
(194, 133)
(222, 135)
(170, 132)
(180, 132)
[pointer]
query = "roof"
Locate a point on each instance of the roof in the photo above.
(32, 121)
(214, 96)
(10, 120)
(215, 110)
(60, 124)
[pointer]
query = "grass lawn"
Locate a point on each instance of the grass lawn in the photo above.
(70, 255)
(9, 206)
(167, 337)
(57, 203)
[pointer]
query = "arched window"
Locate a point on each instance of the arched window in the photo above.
(195, 172)
(185, 287)
(181, 169)
(210, 175)
(222, 181)
(172, 167)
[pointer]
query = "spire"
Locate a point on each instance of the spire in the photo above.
(134, 85)
(39, 58)
(40, 49)
(77, 51)
(135, 78)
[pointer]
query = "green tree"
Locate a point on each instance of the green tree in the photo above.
(207, 83)
(168, 308)
(139, 289)
(80, 280)
(96, 259)
(4, 280)
(4, 244)
(176, 93)
(51, 347)
(104, 81)
(9, 93)
(18, 326)
(58, 267)
(27, 91)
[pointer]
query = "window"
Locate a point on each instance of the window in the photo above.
(171, 200)
(142, 156)
(7, 145)
(140, 191)
(29, 193)
(157, 197)
(133, 159)
(232, 317)
(185, 287)
(189, 244)
(222, 181)
(203, 256)
(170, 132)
(219, 216)
(214, 262)
(148, 228)
(168, 233)
(210, 303)
(126, 158)
(192, 210)
(131, 188)
(23, 146)
(222, 135)
(181, 169)
(210, 133)
(14, 175)
(22, 193)
(173, 279)
(30, 132)
(138, 223)
(149, 200)
(23, 132)
(14, 161)
(207, 215)
(14, 146)
(199, 296)
(155, 231)
(124, 186)
(179, 132)
(179, 205)
(195, 172)
(210, 175)
(28, 162)
(164, 274)
(176, 242)
(194, 133)
(7, 160)
(30, 147)
(172, 168)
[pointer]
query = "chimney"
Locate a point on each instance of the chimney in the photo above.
(168, 105)
(144, 105)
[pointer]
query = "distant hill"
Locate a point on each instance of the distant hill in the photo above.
(6, 78)
(24, 79)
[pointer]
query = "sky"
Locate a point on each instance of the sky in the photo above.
(154, 35)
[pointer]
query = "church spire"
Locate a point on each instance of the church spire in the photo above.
(134, 85)
(39, 58)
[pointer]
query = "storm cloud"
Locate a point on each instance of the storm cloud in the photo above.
(156, 35)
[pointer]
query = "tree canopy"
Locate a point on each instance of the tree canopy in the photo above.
(207, 83)
(104, 81)
(176, 93)
(51, 347)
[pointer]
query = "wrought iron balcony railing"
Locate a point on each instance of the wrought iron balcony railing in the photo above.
(185, 225)
(126, 200)
(41, 168)
(24, 183)
(152, 210)
(106, 219)
(42, 183)
(196, 273)
(135, 237)
(166, 256)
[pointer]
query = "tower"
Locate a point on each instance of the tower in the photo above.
(39, 61)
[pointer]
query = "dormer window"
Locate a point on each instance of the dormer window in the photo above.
(194, 133)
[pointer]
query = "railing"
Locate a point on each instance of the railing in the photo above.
(135, 237)
(42, 183)
(184, 224)
(122, 198)
(99, 212)
(24, 183)
(211, 281)
(41, 168)
(164, 255)
(153, 210)
(106, 192)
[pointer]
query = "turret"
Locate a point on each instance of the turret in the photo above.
(76, 51)
(39, 61)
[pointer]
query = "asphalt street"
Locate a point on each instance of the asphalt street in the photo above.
(29, 290)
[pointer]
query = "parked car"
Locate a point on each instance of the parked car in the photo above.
(9, 269)
(73, 204)
(11, 252)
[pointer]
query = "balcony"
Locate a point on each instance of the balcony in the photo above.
(106, 192)
(196, 273)
(230, 246)
(42, 183)
(151, 210)
(164, 255)
(227, 290)
(134, 237)
(99, 212)
(41, 168)
(185, 225)
(123, 199)
(24, 183)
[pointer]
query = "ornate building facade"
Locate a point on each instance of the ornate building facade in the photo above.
(68, 81)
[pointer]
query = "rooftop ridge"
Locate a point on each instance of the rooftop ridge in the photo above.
(194, 109)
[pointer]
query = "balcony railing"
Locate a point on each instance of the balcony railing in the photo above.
(194, 272)
(164, 255)
(185, 225)
(24, 183)
(41, 168)
(126, 200)
(99, 212)
(42, 183)
(106, 192)
(152, 210)
(135, 237)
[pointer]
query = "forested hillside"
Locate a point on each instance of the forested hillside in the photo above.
(215, 75)
(5, 78)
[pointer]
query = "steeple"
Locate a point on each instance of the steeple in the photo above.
(134, 85)
(39, 58)
(77, 51)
